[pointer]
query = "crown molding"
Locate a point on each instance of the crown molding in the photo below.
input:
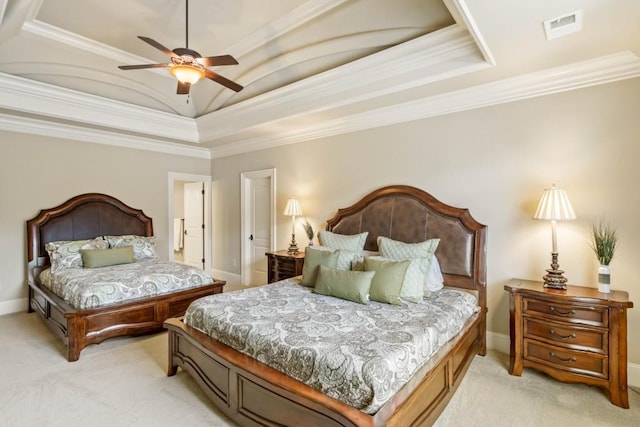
(597, 71)
(429, 58)
(98, 136)
(20, 94)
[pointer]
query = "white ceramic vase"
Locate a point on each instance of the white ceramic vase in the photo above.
(604, 279)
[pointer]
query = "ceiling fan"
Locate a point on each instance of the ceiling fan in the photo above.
(187, 65)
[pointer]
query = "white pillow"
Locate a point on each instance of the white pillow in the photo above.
(354, 242)
(435, 280)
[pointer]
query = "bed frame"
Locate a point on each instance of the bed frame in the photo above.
(84, 217)
(254, 394)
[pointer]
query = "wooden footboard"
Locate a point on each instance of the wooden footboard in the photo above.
(252, 393)
(79, 328)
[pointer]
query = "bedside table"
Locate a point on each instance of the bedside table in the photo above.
(574, 335)
(282, 265)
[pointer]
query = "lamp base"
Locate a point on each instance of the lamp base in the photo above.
(293, 246)
(555, 277)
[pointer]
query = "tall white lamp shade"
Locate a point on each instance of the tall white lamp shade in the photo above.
(293, 209)
(554, 206)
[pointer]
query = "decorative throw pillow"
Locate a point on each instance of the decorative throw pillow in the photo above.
(104, 257)
(354, 242)
(313, 258)
(386, 285)
(345, 258)
(66, 253)
(350, 285)
(395, 249)
(424, 251)
(413, 283)
(143, 247)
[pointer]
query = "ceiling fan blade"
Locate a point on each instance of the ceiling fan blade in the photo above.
(222, 80)
(137, 67)
(211, 61)
(158, 46)
(183, 88)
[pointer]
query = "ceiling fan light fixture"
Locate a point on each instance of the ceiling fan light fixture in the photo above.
(187, 73)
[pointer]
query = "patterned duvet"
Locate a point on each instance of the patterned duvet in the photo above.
(86, 288)
(359, 354)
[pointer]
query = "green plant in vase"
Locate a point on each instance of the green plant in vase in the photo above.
(308, 229)
(604, 242)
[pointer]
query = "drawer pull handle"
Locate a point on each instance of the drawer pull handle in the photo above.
(553, 354)
(562, 337)
(563, 313)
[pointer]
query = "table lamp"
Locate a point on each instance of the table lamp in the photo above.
(293, 209)
(554, 206)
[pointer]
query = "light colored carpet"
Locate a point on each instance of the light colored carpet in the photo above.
(123, 382)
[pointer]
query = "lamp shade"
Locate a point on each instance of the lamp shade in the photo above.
(293, 207)
(554, 205)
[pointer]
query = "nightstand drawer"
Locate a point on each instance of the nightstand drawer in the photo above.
(569, 336)
(592, 315)
(567, 360)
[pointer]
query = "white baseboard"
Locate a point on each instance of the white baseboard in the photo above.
(230, 278)
(13, 306)
(500, 342)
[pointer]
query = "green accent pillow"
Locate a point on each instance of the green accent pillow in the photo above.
(414, 279)
(104, 257)
(386, 285)
(346, 259)
(313, 258)
(350, 285)
(424, 251)
(353, 242)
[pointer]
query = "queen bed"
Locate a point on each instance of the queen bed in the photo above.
(243, 374)
(129, 293)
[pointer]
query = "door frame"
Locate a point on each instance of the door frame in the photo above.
(245, 218)
(206, 180)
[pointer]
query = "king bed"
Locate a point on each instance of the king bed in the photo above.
(243, 374)
(120, 289)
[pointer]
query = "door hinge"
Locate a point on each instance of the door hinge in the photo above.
(203, 226)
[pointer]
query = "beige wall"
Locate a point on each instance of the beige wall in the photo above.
(496, 161)
(38, 172)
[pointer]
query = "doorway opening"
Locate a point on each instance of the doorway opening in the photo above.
(258, 225)
(189, 220)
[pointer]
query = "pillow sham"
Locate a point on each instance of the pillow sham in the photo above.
(66, 253)
(349, 285)
(314, 258)
(388, 283)
(395, 249)
(354, 242)
(346, 259)
(413, 282)
(143, 247)
(92, 258)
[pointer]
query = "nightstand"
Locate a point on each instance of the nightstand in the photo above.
(282, 265)
(574, 335)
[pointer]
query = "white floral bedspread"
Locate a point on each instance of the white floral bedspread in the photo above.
(86, 288)
(359, 354)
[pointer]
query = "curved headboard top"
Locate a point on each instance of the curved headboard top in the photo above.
(411, 215)
(82, 217)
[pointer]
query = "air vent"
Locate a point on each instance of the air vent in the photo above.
(563, 25)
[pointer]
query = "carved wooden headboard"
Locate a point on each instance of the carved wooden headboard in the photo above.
(83, 217)
(411, 215)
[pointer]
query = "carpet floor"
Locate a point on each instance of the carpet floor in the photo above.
(123, 382)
